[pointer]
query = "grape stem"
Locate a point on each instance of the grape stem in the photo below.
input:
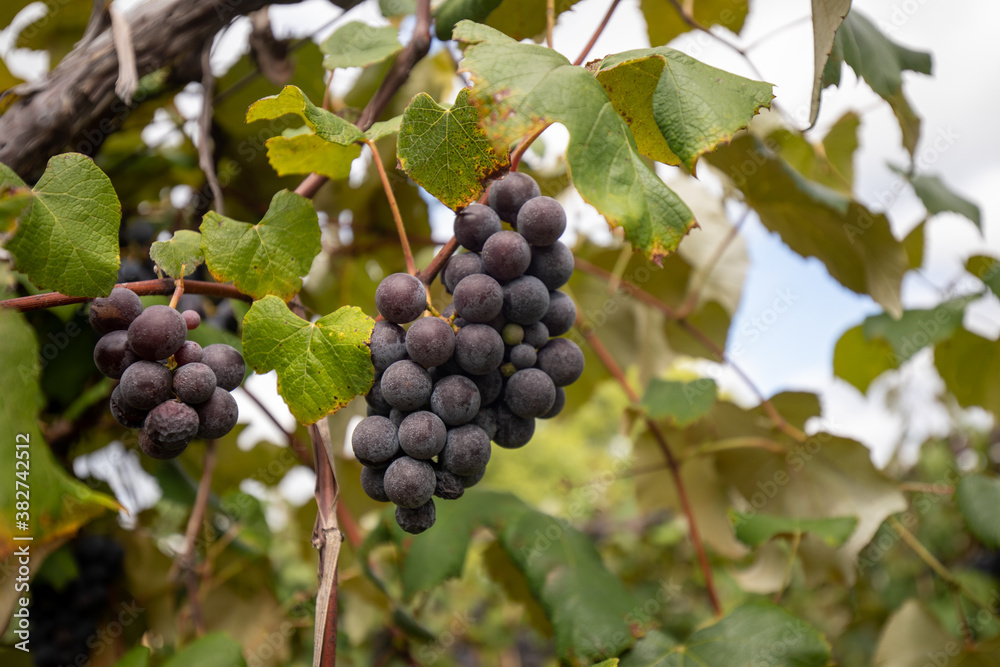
(178, 293)
(672, 463)
(429, 273)
(327, 538)
(162, 286)
(404, 243)
(597, 33)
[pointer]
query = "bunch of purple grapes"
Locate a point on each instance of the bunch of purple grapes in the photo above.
(169, 387)
(442, 393)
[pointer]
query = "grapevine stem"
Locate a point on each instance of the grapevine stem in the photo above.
(162, 286)
(397, 218)
(550, 19)
(327, 538)
(672, 463)
(597, 33)
(178, 293)
(429, 273)
(515, 157)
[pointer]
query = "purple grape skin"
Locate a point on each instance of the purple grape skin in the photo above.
(455, 400)
(467, 450)
(388, 345)
(374, 442)
(406, 385)
(523, 356)
(561, 314)
(529, 393)
(124, 413)
(474, 224)
(172, 424)
(157, 333)
(190, 352)
(536, 335)
(486, 419)
(227, 364)
(510, 193)
(373, 484)
(112, 354)
(194, 383)
(506, 255)
(422, 435)
(376, 402)
(562, 360)
(525, 300)
(146, 384)
(400, 298)
(478, 349)
(557, 406)
(458, 267)
(191, 319)
(469, 481)
(156, 450)
(409, 482)
(512, 431)
(418, 519)
(396, 416)
(478, 298)
(114, 312)
(490, 385)
(541, 221)
(430, 341)
(218, 415)
(552, 264)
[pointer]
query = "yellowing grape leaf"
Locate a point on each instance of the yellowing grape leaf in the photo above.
(358, 44)
(266, 258)
(446, 151)
(986, 269)
(180, 255)
(664, 21)
(321, 365)
(67, 236)
(969, 365)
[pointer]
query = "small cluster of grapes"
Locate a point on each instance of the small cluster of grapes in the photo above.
(440, 396)
(169, 387)
(64, 620)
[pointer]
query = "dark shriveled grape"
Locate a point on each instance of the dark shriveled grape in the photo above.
(373, 484)
(525, 300)
(124, 413)
(218, 414)
(418, 519)
(406, 385)
(561, 315)
(227, 364)
(374, 442)
(400, 298)
(189, 353)
(114, 312)
(172, 424)
(146, 384)
(409, 482)
(529, 393)
(112, 354)
(489, 385)
(422, 435)
(157, 333)
(562, 360)
(455, 400)
(194, 383)
(478, 298)
(512, 431)
(536, 335)
(557, 406)
(458, 267)
(553, 264)
(474, 224)
(541, 221)
(449, 485)
(506, 255)
(388, 345)
(478, 349)
(467, 450)
(430, 341)
(510, 193)
(523, 356)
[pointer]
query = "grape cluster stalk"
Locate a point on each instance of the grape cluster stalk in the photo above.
(484, 370)
(169, 387)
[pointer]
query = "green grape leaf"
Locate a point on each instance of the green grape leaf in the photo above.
(180, 255)
(986, 269)
(321, 365)
(328, 150)
(448, 14)
(522, 87)
(446, 152)
(136, 657)
(683, 403)
(216, 649)
(525, 19)
(978, 499)
(859, 360)
(358, 44)
(937, 197)
(757, 529)
(856, 245)
(916, 329)
(693, 106)
(266, 258)
(839, 146)
(969, 365)
(914, 245)
(393, 8)
(67, 237)
(664, 21)
(59, 504)
(913, 637)
(384, 128)
(755, 633)
(827, 16)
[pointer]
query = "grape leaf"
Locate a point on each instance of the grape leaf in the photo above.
(827, 15)
(757, 529)
(446, 151)
(978, 499)
(266, 258)
(321, 365)
(328, 149)
(755, 633)
(912, 637)
(449, 13)
(180, 255)
(694, 106)
(682, 402)
(136, 657)
(986, 269)
(916, 329)
(216, 649)
(937, 197)
(522, 87)
(969, 365)
(664, 21)
(67, 237)
(521, 19)
(914, 245)
(358, 44)
(859, 360)
(384, 128)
